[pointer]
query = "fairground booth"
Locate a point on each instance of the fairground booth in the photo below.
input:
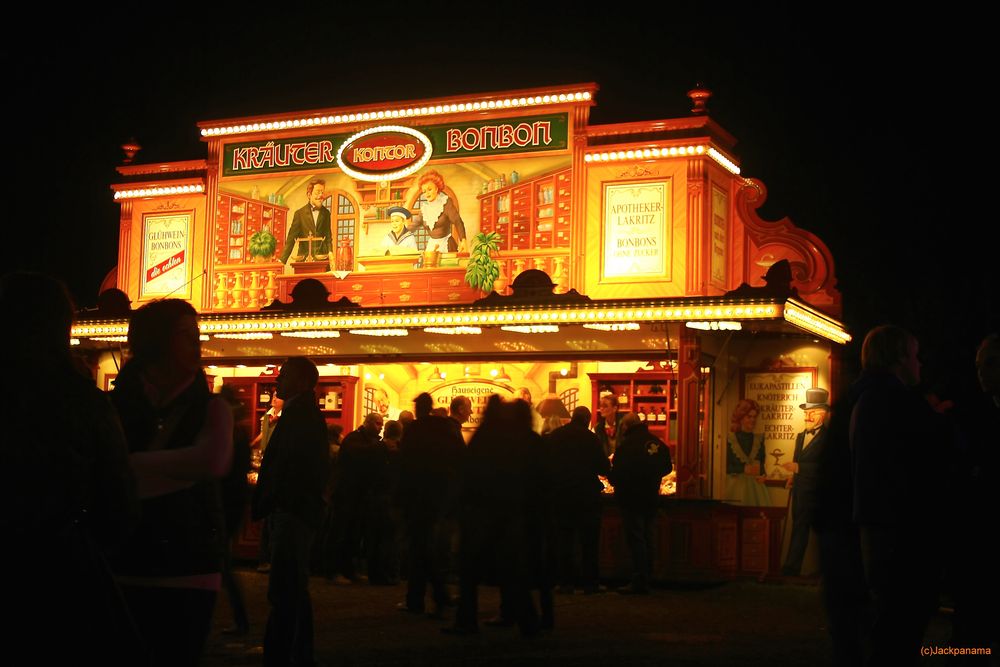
(481, 244)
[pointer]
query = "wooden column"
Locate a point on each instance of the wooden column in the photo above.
(689, 463)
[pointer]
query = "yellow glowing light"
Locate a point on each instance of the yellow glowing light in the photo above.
(310, 121)
(532, 328)
(616, 326)
(249, 335)
(815, 322)
(715, 326)
(379, 332)
(728, 164)
(160, 191)
(454, 330)
(311, 334)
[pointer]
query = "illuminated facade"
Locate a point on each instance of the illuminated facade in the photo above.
(647, 231)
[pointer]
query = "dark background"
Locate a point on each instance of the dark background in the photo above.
(870, 132)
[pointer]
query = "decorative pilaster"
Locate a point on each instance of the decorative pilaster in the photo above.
(211, 210)
(696, 247)
(124, 243)
(578, 214)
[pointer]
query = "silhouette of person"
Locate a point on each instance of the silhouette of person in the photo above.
(973, 573)
(69, 495)
(181, 439)
(640, 463)
(289, 490)
(498, 492)
(576, 461)
(894, 434)
(235, 490)
(430, 456)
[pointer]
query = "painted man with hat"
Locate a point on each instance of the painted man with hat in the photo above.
(399, 239)
(809, 446)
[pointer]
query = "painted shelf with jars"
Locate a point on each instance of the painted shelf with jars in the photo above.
(529, 214)
(237, 219)
(375, 198)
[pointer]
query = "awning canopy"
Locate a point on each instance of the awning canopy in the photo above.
(589, 329)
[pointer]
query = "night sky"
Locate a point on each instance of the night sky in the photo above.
(867, 132)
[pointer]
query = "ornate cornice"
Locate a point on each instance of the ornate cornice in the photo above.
(811, 261)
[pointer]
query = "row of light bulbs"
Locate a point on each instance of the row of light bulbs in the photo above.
(459, 321)
(408, 112)
(157, 192)
(672, 151)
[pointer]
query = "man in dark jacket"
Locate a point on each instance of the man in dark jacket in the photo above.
(359, 464)
(290, 491)
(894, 436)
(429, 459)
(576, 460)
(641, 460)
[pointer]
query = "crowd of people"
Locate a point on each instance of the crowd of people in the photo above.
(123, 506)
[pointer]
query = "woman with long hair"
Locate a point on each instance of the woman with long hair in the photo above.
(180, 441)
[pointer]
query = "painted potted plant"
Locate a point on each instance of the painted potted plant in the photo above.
(483, 270)
(262, 244)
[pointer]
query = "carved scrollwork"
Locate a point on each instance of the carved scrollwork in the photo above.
(637, 171)
(810, 259)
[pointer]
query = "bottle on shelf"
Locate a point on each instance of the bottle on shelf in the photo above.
(623, 399)
(642, 413)
(661, 416)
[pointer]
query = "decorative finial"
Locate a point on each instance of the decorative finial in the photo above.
(131, 147)
(699, 96)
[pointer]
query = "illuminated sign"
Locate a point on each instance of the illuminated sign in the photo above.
(778, 394)
(636, 241)
(166, 243)
(477, 391)
(384, 153)
(544, 133)
(391, 144)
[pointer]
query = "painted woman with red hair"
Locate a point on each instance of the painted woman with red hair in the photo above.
(439, 214)
(745, 458)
